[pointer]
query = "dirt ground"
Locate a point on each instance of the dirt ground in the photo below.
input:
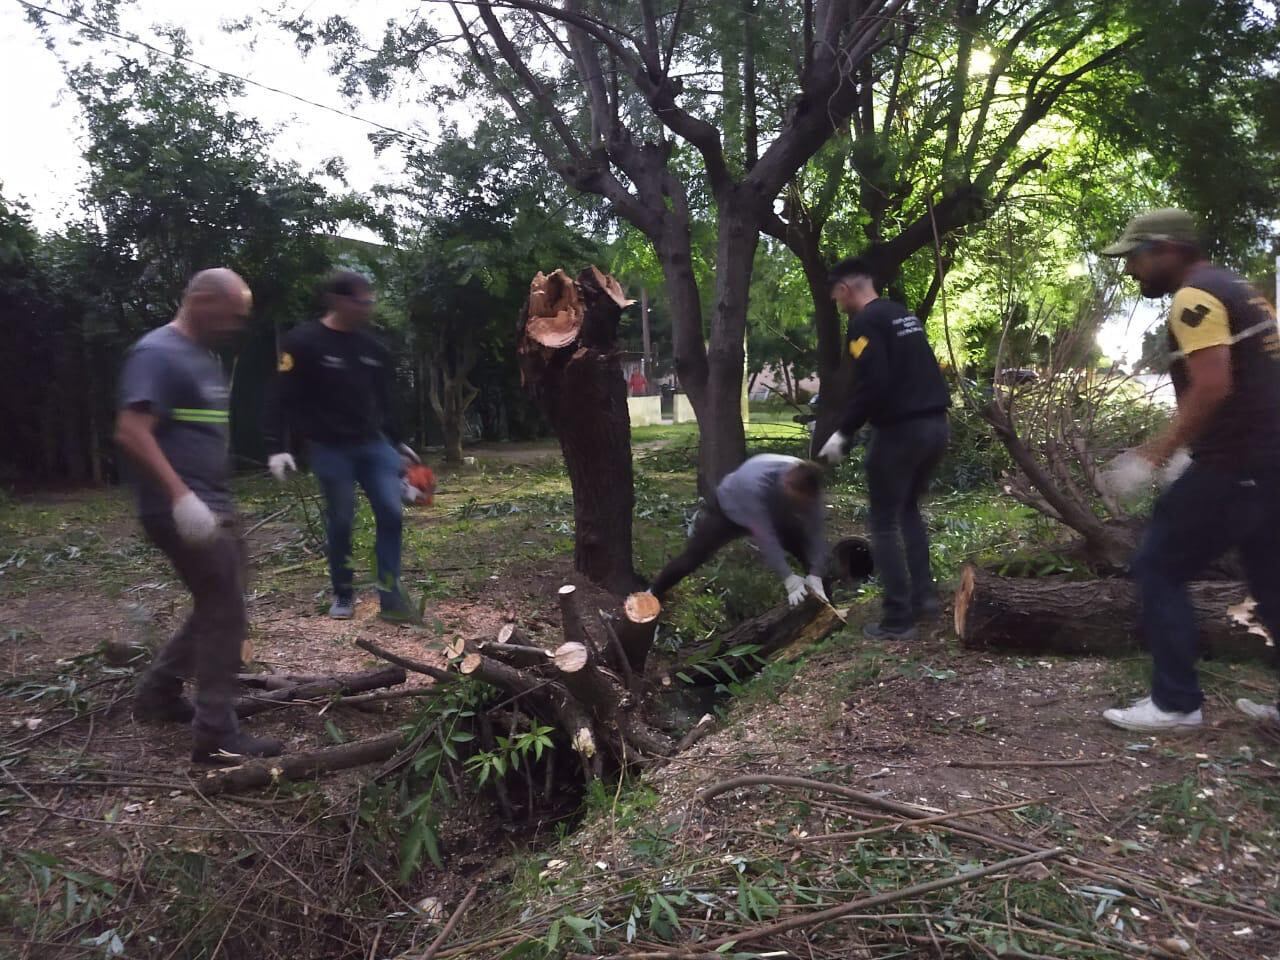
(90, 798)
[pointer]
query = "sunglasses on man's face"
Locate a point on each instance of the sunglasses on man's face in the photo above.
(361, 301)
(1145, 247)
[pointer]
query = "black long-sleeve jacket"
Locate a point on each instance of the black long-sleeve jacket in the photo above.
(331, 387)
(896, 377)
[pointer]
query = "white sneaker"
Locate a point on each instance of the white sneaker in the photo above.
(1145, 716)
(1263, 712)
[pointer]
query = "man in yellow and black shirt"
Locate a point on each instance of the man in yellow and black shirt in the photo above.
(1225, 353)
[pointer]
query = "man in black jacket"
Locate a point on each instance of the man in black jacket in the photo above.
(898, 388)
(333, 389)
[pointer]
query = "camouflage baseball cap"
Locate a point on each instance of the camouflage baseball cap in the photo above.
(1170, 225)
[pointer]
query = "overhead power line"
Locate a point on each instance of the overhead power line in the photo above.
(225, 73)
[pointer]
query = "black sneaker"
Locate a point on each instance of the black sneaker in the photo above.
(878, 631)
(235, 748)
(153, 709)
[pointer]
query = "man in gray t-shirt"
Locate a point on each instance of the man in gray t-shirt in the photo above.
(172, 424)
(181, 383)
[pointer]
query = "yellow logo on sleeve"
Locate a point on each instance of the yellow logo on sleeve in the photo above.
(857, 346)
(286, 363)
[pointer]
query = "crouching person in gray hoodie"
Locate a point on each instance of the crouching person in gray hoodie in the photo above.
(776, 501)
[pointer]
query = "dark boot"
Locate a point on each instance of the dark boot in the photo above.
(160, 711)
(157, 704)
(234, 748)
(930, 608)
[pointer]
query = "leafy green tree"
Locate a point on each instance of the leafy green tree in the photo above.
(625, 104)
(177, 181)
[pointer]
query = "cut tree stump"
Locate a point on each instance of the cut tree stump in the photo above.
(637, 628)
(1093, 617)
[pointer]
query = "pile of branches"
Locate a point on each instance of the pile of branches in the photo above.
(596, 688)
(1063, 424)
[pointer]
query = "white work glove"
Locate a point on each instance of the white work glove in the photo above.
(1127, 475)
(814, 583)
(1175, 468)
(196, 523)
(796, 590)
(280, 463)
(835, 448)
(406, 451)
(409, 493)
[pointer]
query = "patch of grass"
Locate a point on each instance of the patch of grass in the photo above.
(1214, 806)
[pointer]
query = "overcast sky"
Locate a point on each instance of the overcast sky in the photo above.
(40, 149)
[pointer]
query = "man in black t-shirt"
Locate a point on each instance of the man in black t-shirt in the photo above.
(898, 388)
(1225, 352)
(333, 390)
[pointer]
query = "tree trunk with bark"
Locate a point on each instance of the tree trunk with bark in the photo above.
(1092, 617)
(569, 364)
(451, 394)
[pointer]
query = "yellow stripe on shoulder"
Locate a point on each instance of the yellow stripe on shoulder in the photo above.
(857, 346)
(1199, 320)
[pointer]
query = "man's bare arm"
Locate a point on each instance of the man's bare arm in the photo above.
(1209, 376)
(136, 436)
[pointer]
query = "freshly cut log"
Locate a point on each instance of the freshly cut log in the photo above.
(583, 678)
(342, 685)
(516, 654)
(783, 632)
(1094, 617)
(510, 633)
(256, 774)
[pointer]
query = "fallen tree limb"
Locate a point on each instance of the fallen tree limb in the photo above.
(330, 686)
(803, 920)
(516, 654)
(846, 835)
(447, 932)
(309, 765)
(783, 631)
(417, 666)
(695, 733)
(279, 681)
(1002, 764)
(366, 699)
(803, 783)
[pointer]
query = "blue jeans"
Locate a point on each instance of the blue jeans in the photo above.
(376, 467)
(901, 459)
(1202, 515)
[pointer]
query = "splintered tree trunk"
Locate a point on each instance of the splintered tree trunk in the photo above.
(1094, 617)
(569, 364)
